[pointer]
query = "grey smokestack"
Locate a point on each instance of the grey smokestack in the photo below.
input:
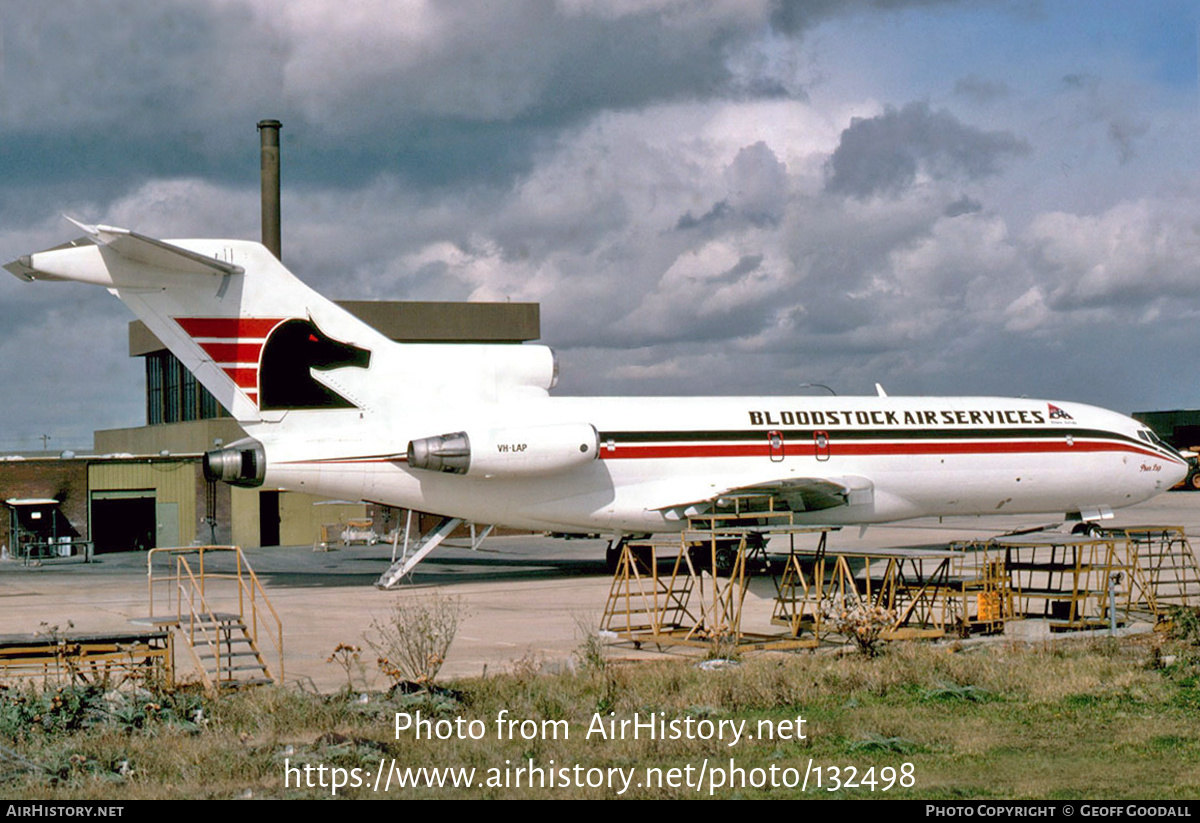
(268, 131)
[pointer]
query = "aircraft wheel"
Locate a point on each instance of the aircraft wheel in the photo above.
(726, 558)
(1087, 529)
(1194, 481)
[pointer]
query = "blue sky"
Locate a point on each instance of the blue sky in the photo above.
(995, 198)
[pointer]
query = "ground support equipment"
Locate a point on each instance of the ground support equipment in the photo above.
(110, 659)
(690, 589)
(215, 602)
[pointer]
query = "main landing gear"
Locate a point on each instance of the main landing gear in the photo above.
(612, 555)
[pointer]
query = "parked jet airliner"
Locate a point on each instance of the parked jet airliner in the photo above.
(334, 408)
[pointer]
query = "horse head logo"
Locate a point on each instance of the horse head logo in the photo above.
(293, 349)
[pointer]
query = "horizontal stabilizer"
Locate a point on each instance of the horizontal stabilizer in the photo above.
(155, 253)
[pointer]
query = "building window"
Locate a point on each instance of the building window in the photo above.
(171, 385)
(173, 394)
(209, 407)
(154, 389)
(190, 406)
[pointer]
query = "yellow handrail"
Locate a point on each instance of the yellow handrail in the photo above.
(264, 621)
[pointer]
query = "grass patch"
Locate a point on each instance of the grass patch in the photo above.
(1070, 719)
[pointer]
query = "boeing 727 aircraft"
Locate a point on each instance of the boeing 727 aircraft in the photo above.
(334, 408)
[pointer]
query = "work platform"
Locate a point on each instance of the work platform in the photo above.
(919, 593)
(691, 589)
(700, 602)
(205, 599)
(108, 659)
(1080, 582)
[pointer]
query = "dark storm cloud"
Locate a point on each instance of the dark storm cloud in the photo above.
(121, 92)
(1107, 104)
(745, 266)
(1081, 82)
(758, 190)
(1123, 134)
(837, 314)
(630, 166)
(468, 91)
(883, 154)
(794, 16)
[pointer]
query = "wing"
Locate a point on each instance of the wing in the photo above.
(798, 494)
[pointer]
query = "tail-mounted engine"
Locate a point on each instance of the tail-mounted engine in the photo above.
(508, 452)
(241, 463)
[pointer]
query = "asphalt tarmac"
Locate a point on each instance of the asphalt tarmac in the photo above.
(526, 599)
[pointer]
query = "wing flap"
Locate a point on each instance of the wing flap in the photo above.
(798, 494)
(809, 493)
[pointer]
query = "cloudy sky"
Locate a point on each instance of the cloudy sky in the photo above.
(709, 197)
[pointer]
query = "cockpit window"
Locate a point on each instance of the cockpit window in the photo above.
(1150, 437)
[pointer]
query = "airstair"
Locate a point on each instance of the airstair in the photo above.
(410, 554)
(213, 601)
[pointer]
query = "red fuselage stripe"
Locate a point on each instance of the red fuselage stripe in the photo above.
(859, 449)
(807, 451)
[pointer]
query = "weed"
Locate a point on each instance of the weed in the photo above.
(1034, 719)
(66, 653)
(66, 709)
(1185, 624)
(607, 701)
(861, 623)
(13, 764)
(590, 651)
(723, 646)
(349, 658)
(413, 641)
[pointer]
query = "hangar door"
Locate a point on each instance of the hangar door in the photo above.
(124, 520)
(142, 505)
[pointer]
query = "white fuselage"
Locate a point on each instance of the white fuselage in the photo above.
(919, 456)
(336, 409)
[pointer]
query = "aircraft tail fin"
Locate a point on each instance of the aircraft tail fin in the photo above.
(265, 344)
(251, 332)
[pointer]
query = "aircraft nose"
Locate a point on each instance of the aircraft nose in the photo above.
(1178, 472)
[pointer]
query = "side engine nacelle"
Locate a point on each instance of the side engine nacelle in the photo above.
(508, 452)
(241, 463)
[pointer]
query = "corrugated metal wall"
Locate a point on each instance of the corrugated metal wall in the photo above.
(301, 517)
(171, 483)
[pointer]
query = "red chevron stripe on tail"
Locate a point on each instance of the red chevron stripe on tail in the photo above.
(234, 344)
